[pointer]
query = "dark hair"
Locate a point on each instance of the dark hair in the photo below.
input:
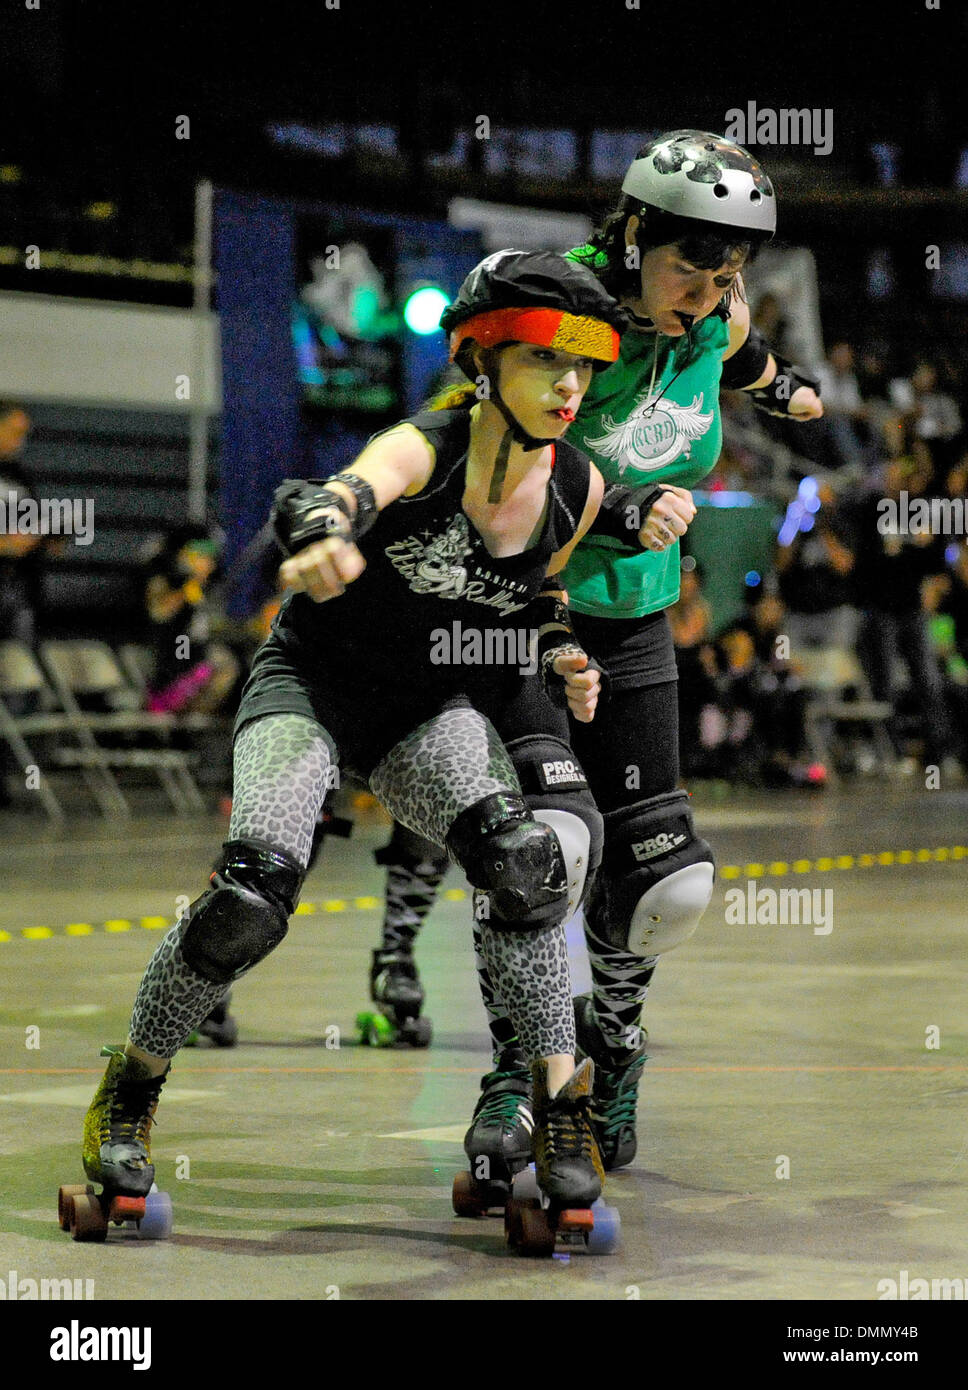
(706, 245)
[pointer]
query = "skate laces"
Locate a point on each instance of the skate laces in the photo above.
(132, 1108)
(615, 1109)
(504, 1094)
(567, 1128)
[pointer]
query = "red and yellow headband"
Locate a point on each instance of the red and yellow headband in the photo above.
(551, 328)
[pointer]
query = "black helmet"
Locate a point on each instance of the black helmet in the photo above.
(535, 297)
(704, 177)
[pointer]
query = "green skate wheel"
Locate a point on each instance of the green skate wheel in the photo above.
(603, 1238)
(375, 1030)
(156, 1223)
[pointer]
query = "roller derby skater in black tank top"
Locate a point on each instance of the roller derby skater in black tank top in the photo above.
(454, 519)
(694, 206)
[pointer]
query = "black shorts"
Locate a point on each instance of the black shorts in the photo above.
(634, 651)
(364, 715)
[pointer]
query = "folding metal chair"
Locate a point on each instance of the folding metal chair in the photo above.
(81, 668)
(827, 673)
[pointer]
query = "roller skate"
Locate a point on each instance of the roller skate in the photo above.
(396, 989)
(220, 1027)
(117, 1154)
(616, 1087)
(557, 1202)
(498, 1143)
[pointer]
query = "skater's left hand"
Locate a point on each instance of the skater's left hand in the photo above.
(805, 404)
(582, 687)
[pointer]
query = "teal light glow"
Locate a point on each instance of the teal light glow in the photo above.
(423, 309)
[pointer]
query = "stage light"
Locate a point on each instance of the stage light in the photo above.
(423, 309)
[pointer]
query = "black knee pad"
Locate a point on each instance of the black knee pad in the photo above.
(408, 849)
(245, 913)
(556, 792)
(514, 859)
(656, 877)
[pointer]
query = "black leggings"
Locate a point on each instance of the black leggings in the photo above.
(630, 750)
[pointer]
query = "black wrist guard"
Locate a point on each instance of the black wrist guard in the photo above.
(748, 363)
(304, 512)
(624, 512)
(775, 398)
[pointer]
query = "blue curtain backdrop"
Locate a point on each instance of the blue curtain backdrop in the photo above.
(264, 435)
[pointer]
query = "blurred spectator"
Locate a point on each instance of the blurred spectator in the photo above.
(890, 565)
(768, 315)
(814, 580)
(191, 672)
(936, 416)
(843, 408)
(701, 726)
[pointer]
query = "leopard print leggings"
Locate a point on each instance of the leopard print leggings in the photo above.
(282, 765)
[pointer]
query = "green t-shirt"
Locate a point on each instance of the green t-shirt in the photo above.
(676, 440)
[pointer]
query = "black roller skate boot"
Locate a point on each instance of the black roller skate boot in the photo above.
(415, 867)
(499, 1141)
(396, 989)
(559, 1202)
(616, 1087)
(221, 1028)
(116, 1153)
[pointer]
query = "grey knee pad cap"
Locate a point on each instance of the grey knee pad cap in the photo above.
(556, 792)
(656, 877)
(244, 914)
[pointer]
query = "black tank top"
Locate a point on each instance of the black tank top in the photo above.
(432, 601)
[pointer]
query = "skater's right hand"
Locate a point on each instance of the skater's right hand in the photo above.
(323, 569)
(668, 518)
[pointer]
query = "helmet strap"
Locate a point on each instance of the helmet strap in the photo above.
(515, 429)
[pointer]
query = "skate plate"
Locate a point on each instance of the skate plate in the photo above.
(378, 1029)
(533, 1225)
(87, 1214)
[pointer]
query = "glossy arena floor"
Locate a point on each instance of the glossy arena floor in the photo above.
(804, 1119)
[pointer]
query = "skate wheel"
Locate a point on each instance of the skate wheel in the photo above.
(87, 1221)
(157, 1221)
(524, 1186)
(375, 1030)
(227, 1034)
(420, 1031)
(530, 1231)
(603, 1238)
(467, 1197)
(64, 1195)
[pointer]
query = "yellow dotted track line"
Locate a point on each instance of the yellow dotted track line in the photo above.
(779, 868)
(125, 924)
